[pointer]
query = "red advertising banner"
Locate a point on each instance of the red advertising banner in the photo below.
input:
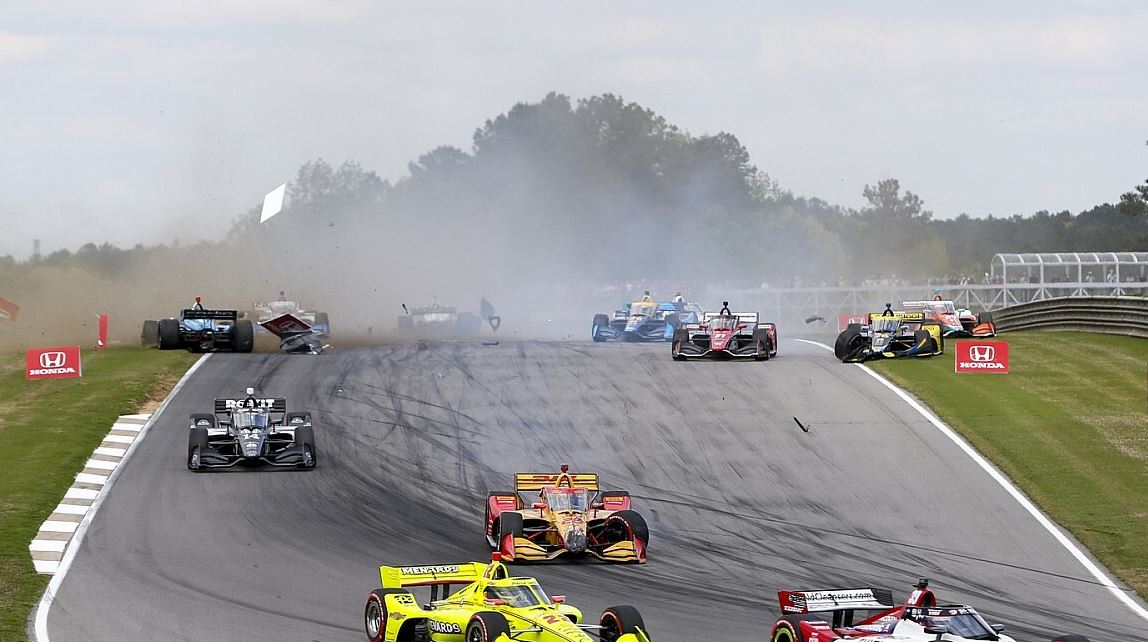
(53, 363)
(843, 320)
(8, 309)
(102, 339)
(989, 357)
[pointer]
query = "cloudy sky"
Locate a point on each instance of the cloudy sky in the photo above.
(142, 121)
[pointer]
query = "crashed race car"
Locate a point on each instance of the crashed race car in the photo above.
(251, 431)
(264, 311)
(488, 606)
(571, 516)
(955, 322)
(295, 335)
(201, 330)
(645, 320)
(438, 320)
(725, 334)
(890, 334)
(869, 614)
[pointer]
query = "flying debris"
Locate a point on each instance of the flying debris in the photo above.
(273, 202)
(486, 311)
(815, 317)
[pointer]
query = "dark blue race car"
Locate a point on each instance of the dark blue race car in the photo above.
(645, 320)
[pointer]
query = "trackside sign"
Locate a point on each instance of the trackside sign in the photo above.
(53, 363)
(982, 356)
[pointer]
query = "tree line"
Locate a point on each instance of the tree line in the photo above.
(601, 189)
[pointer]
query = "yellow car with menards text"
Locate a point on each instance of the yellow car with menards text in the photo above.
(486, 605)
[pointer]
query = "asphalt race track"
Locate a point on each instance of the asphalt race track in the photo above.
(740, 501)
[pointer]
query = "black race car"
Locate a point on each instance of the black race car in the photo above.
(251, 431)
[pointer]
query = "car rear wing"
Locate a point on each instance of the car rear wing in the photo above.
(908, 317)
(217, 315)
(402, 576)
(749, 318)
(538, 481)
(272, 404)
(835, 600)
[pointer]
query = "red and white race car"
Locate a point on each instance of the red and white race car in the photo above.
(727, 335)
(869, 614)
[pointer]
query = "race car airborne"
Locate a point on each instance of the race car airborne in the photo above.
(645, 320)
(489, 606)
(251, 431)
(726, 334)
(572, 516)
(268, 310)
(890, 334)
(955, 322)
(869, 614)
(201, 330)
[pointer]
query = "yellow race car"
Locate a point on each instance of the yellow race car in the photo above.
(488, 606)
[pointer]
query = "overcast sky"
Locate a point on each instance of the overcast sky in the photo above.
(143, 121)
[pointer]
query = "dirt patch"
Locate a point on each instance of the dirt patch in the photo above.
(162, 388)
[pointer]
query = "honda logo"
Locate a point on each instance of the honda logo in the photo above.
(52, 359)
(982, 353)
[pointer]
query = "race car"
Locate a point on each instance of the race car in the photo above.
(295, 335)
(726, 334)
(890, 334)
(955, 322)
(571, 516)
(869, 614)
(437, 319)
(645, 320)
(200, 330)
(489, 606)
(264, 311)
(251, 431)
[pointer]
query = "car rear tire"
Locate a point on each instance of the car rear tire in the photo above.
(375, 613)
(486, 626)
(681, 337)
(986, 317)
(787, 629)
(244, 335)
(168, 334)
(322, 322)
(486, 522)
(617, 621)
(601, 322)
(149, 336)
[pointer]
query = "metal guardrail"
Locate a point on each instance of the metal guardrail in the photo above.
(1108, 315)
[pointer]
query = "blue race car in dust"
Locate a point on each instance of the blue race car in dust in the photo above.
(645, 320)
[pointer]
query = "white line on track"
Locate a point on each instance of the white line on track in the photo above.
(1011, 489)
(40, 625)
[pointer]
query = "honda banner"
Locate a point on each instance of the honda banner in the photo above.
(53, 363)
(982, 356)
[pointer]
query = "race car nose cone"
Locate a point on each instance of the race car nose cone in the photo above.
(576, 540)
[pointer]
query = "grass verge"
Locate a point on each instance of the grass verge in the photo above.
(47, 431)
(1069, 425)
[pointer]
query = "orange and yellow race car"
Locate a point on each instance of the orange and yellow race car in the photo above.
(571, 515)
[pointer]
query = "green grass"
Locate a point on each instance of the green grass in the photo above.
(1069, 425)
(48, 429)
